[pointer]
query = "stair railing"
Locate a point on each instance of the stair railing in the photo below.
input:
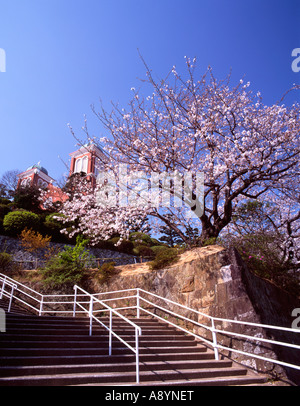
(4, 292)
(39, 303)
(142, 304)
(105, 308)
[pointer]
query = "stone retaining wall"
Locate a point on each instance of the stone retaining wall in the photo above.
(209, 280)
(215, 282)
(29, 261)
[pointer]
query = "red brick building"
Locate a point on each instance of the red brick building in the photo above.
(87, 159)
(36, 176)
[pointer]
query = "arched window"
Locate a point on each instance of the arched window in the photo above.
(78, 164)
(85, 164)
(28, 182)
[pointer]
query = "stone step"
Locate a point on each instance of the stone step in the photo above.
(72, 330)
(243, 380)
(162, 345)
(115, 377)
(116, 357)
(64, 342)
(57, 350)
(26, 318)
(111, 367)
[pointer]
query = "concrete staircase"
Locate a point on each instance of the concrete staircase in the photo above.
(59, 351)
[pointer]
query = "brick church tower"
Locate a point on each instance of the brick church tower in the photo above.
(87, 159)
(36, 176)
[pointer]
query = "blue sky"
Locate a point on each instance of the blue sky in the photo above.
(63, 55)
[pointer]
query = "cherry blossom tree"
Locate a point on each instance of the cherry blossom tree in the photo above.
(89, 212)
(244, 147)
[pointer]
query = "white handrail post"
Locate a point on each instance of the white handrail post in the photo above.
(214, 338)
(110, 333)
(91, 315)
(137, 358)
(75, 299)
(3, 286)
(41, 306)
(138, 303)
(11, 297)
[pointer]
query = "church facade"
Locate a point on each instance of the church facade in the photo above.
(87, 159)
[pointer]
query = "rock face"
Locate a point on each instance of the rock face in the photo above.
(212, 281)
(215, 282)
(30, 261)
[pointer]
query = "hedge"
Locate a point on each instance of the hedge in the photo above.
(16, 221)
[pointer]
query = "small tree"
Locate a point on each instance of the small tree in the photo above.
(28, 198)
(68, 265)
(9, 182)
(169, 236)
(34, 242)
(53, 227)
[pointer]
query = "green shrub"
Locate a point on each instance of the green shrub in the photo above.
(139, 238)
(155, 242)
(5, 261)
(105, 245)
(143, 250)
(106, 271)
(126, 246)
(158, 248)
(4, 201)
(67, 267)
(262, 254)
(53, 227)
(209, 241)
(52, 223)
(16, 221)
(164, 258)
(27, 198)
(4, 210)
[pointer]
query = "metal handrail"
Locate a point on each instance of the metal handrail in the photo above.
(10, 294)
(90, 311)
(139, 298)
(212, 328)
(19, 287)
(35, 300)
